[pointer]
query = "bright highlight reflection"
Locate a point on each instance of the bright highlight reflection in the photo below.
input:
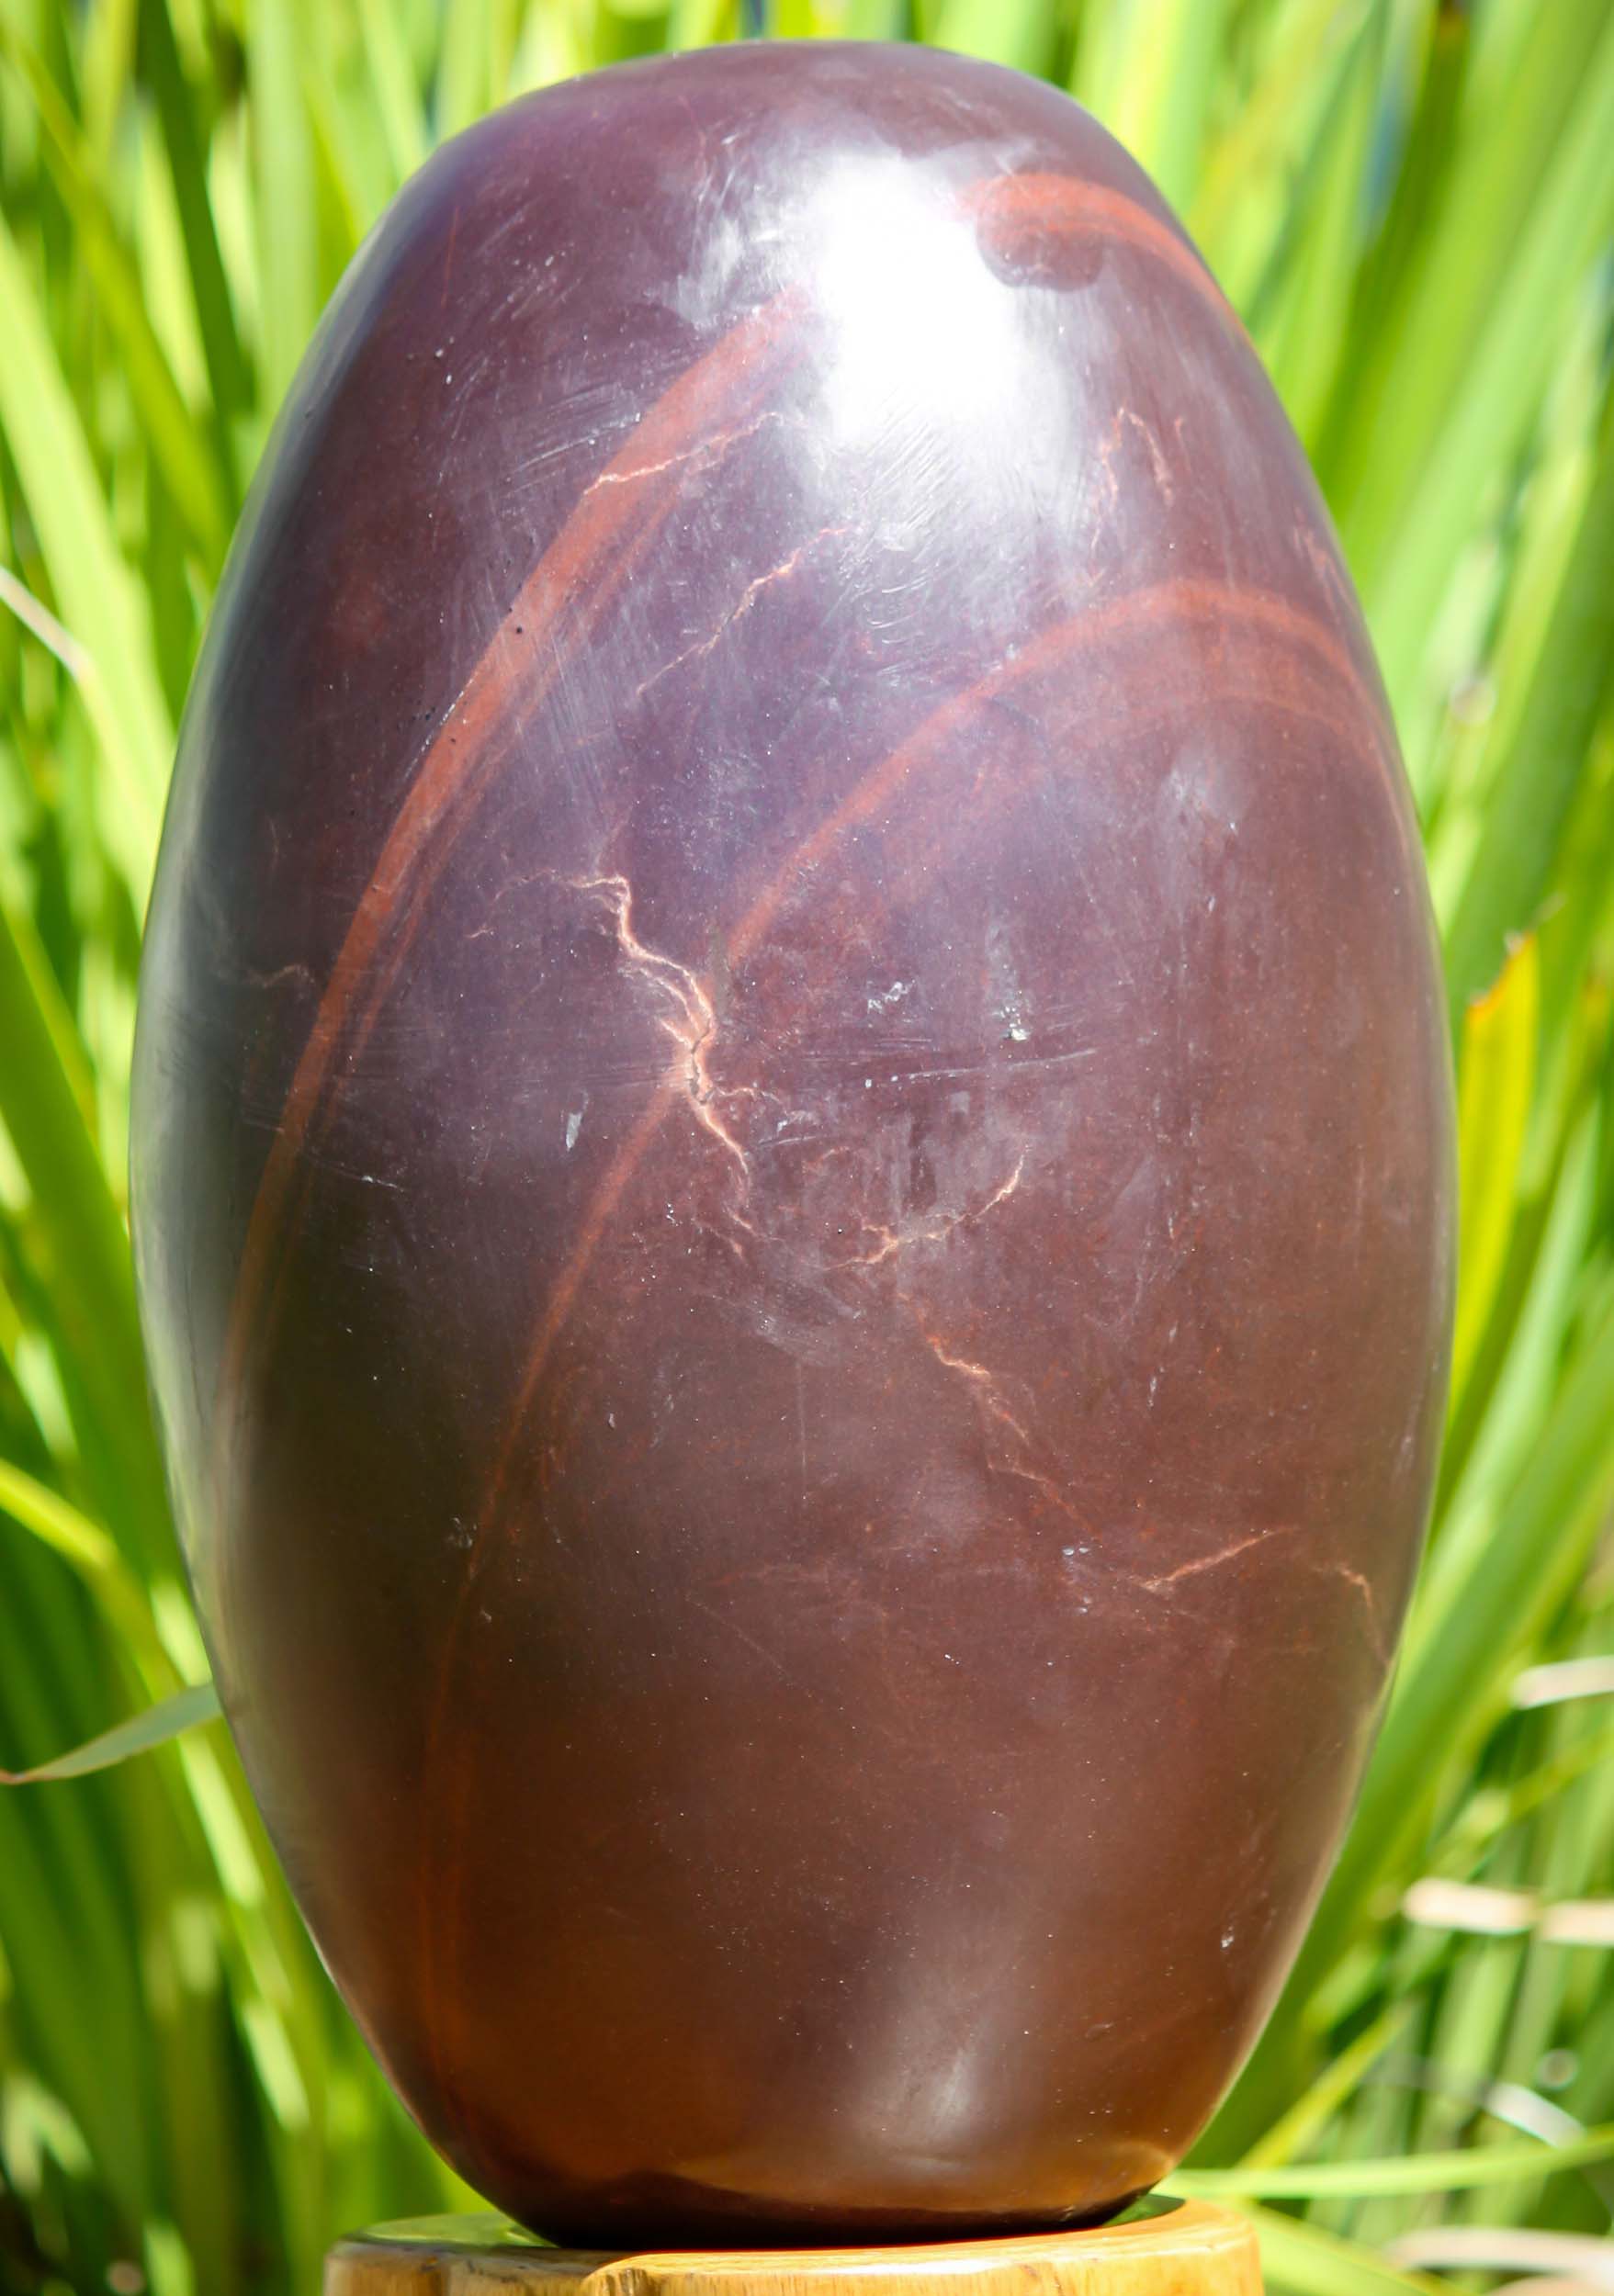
(924, 333)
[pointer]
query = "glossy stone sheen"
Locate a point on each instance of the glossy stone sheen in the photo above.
(793, 1158)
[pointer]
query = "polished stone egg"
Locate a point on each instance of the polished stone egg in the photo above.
(793, 1157)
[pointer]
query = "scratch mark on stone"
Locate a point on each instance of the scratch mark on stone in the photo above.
(717, 442)
(985, 1386)
(284, 976)
(449, 257)
(894, 1239)
(1354, 1579)
(990, 1397)
(1214, 1562)
(691, 1025)
(1001, 1195)
(576, 578)
(1358, 1580)
(1157, 463)
(741, 1635)
(801, 1426)
(742, 606)
(1045, 1484)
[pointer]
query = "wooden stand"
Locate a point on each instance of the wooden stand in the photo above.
(1182, 2248)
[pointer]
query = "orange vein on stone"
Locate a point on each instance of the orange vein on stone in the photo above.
(664, 439)
(672, 433)
(1194, 600)
(1214, 603)
(1066, 205)
(1207, 601)
(614, 520)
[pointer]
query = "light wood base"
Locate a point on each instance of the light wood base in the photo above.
(1186, 2248)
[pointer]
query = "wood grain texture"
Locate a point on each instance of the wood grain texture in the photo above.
(1194, 2249)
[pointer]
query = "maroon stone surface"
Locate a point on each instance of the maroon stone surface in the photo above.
(792, 1167)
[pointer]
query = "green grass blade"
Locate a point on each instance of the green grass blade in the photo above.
(1018, 32)
(1454, 1682)
(1150, 73)
(283, 192)
(1304, 2122)
(1403, 543)
(1498, 1070)
(396, 96)
(1466, 276)
(93, 590)
(1301, 2259)
(179, 113)
(178, 443)
(1435, 2172)
(1572, 686)
(1302, 327)
(184, 1711)
(82, 1232)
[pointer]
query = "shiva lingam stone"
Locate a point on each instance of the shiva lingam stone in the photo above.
(793, 1158)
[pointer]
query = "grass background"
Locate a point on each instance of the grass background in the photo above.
(1413, 206)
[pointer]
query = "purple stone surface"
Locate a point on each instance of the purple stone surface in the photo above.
(793, 1158)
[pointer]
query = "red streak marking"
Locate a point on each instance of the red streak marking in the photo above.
(558, 604)
(1207, 601)
(583, 570)
(562, 599)
(1213, 603)
(608, 533)
(1013, 209)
